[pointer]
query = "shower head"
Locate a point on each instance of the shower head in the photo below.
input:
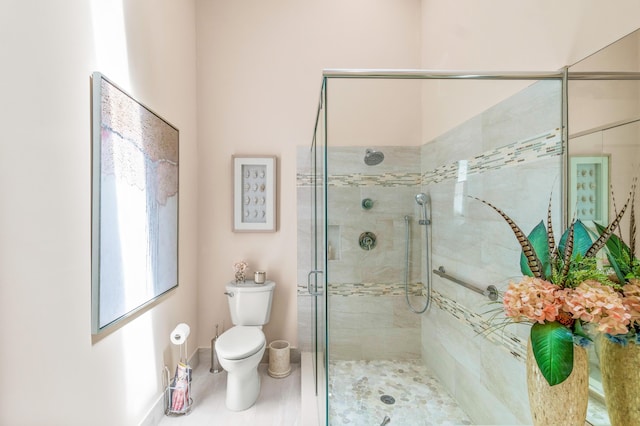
(423, 200)
(372, 158)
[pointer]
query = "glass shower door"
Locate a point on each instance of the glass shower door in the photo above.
(316, 278)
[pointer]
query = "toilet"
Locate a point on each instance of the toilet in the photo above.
(241, 348)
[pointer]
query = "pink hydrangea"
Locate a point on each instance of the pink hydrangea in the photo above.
(532, 299)
(595, 303)
(631, 300)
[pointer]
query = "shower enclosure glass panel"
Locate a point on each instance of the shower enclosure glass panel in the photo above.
(492, 137)
(316, 277)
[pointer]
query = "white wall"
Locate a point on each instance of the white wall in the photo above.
(52, 370)
(259, 74)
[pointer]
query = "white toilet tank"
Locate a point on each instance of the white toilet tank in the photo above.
(250, 303)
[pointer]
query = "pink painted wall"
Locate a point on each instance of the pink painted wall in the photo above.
(259, 73)
(503, 35)
(58, 373)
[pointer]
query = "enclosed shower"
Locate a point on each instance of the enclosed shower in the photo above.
(405, 264)
(385, 203)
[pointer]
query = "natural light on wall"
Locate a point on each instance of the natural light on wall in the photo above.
(141, 377)
(110, 40)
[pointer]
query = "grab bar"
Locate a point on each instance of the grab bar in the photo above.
(491, 292)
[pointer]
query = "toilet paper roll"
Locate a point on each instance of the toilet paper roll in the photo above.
(179, 334)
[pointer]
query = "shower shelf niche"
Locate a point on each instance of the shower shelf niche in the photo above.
(333, 242)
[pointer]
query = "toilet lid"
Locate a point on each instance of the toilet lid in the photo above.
(240, 342)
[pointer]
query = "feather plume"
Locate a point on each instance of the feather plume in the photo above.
(525, 244)
(568, 251)
(604, 237)
(551, 240)
(615, 211)
(632, 225)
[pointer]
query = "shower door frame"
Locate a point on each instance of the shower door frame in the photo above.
(316, 278)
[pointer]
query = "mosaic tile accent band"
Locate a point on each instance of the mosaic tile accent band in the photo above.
(548, 144)
(516, 347)
(545, 145)
(510, 342)
(373, 289)
(368, 289)
(390, 180)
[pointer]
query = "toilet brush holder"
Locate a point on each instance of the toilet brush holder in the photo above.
(279, 359)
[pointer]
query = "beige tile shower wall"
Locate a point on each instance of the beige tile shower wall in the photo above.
(392, 186)
(372, 328)
(356, 275)
(514, 157)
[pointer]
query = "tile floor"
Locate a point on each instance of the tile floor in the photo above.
(357, 387)
(277, 405)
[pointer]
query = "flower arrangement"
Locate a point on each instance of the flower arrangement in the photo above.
(562, 290)
(624, 270)
(240, 269)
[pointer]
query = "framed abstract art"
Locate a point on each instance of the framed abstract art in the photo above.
(134, 205)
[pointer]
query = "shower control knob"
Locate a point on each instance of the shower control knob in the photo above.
(367, 240)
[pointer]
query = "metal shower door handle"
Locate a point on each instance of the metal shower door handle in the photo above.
(316, 292)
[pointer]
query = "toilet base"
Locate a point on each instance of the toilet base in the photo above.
(243, 389)
(243, 380)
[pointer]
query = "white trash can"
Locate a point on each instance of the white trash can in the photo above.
(279, 364)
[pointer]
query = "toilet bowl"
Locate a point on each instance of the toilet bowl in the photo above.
(240, 349)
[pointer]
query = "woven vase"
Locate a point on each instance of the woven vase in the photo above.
(620, 368)
(565, 403)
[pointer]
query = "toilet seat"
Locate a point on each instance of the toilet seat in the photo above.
(240, 342)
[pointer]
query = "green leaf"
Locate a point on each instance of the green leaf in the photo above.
(579, 331)
(615, 245)
(617, 268)
(540, 244)
(581, 240)
(552, 345)
(618, 253)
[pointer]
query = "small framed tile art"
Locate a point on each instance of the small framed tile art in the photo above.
(254, 193)
(589, 189)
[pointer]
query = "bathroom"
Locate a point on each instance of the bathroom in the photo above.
(234, 80)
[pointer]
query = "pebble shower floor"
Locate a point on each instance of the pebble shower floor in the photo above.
(356, 388)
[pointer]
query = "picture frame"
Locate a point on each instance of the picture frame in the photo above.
(134, 235)
(589, 189)
(254, 193)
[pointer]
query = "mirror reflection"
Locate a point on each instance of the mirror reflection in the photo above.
(604, 152)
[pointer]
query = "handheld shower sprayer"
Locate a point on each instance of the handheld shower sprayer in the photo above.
(423, 199)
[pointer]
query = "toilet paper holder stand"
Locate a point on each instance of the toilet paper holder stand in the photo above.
(177, 395)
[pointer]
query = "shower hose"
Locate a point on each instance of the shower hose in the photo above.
(427, 274)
